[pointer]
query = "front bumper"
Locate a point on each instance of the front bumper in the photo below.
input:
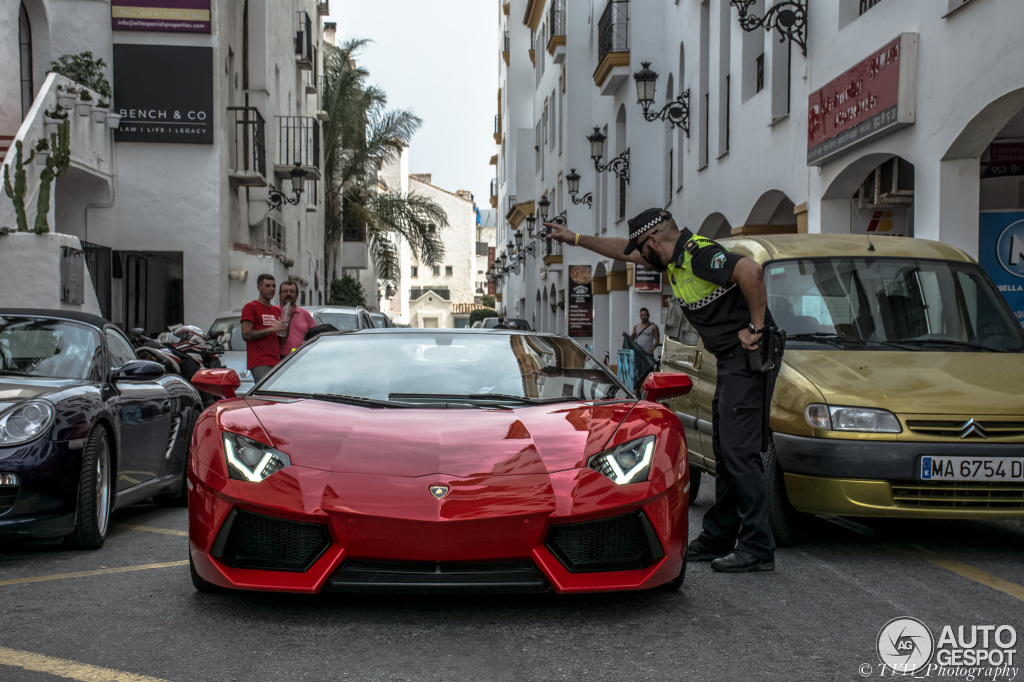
(43, 503)
(388, 534)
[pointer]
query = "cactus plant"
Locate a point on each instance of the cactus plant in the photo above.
(16, 190)
(56, 166)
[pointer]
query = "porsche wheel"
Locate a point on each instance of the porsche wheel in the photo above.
(94, 493)
(788, 525)
(695, 476)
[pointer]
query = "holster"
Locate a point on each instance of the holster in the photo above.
(767, 357)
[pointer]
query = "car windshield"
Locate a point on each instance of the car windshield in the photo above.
(52, 349)
(342, 321)
(438, 365)
(881, 303)
(232, 325)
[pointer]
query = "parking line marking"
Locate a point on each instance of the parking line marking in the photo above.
(966, 570)
(70, 670)
(153, 529)
(82, 574)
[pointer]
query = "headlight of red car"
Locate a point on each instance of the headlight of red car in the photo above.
(250, 460)
(626, 463)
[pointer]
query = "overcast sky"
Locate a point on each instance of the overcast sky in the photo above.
(439, 59)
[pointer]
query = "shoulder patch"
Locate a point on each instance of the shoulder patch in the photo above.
(718, 261)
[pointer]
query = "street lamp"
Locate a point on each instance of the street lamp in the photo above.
(276, 197)
(573, 183)
(619, 165)
(676, 112)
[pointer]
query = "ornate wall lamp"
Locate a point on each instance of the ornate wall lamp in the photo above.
(573, 182)
(619, 165)
(788, 17)
(677, 112)
(276, 197)
(514, 261)
(544, 205)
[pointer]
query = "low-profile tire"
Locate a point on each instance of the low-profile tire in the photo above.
(95, 493)
(199, 582)
(695, 476)
(788, 525)
(676, 583)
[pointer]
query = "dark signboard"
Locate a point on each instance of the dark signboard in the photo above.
(174, 16)
(164, 93)
(1001, 253)
(872, 99)
(646, 279)
(1004, 159)
(581, 302)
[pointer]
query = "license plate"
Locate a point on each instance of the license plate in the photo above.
(972, 469)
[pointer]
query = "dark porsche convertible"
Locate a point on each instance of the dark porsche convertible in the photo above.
(85, 426)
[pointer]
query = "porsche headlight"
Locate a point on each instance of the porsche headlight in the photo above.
(626, 463)
(250, 460)
(25, 421)
(839, 418)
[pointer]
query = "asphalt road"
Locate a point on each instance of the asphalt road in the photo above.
(128, 613)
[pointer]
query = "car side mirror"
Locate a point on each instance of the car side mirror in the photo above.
(222, 382)
(139, 370)
(664, 385)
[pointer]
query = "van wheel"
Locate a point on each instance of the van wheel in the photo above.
(695, 476)
(94, 493)
(788, 525)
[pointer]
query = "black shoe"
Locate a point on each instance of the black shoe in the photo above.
(698, 551)
(742, 562)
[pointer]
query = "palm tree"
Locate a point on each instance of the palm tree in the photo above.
(360, 136)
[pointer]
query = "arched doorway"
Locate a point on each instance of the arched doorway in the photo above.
(873, 195)
(772, 213)
(715, 226)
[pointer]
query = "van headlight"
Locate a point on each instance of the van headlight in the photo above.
(25, 421)
(626, 463)
(250, 460)
(839, 418)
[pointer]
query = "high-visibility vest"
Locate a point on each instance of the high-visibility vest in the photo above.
(686, 286)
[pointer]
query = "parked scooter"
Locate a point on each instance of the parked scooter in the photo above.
(182, 351)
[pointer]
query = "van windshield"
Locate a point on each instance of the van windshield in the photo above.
(876, 303)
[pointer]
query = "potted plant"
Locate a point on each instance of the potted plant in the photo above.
(84, 107)
(53, 117)
(113, 120)
(42, 151)
(66, 95)
(83, 69)
(99, 112)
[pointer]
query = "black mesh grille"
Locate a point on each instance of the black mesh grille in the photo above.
(248, 540)
(619, 543)
(8, 496)
(372, 575)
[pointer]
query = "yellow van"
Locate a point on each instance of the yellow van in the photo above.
(901, 392)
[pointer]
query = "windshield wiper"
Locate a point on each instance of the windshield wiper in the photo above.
(335, 398)
(476, 397)
(953, 342)
(842, 339)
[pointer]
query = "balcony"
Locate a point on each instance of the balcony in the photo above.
(552, 254)
(298, 142)
(612, 47)
(249, 156)
(556, 26)
(303, 41)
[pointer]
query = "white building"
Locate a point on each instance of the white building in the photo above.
(218, 101)
(904, 117)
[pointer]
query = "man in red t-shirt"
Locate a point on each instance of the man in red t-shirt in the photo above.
(301, 321)
(260, 329)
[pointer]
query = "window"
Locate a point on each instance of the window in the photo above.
(119, 349)
(436, 270)
(25, 44)
(414, 271)
(622, 196)
(865, 5)
(448, 271)
(759, 73)
(677, 326)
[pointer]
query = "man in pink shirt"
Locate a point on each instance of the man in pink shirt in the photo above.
(301, 321)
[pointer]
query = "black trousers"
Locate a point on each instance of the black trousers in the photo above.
(739, 516)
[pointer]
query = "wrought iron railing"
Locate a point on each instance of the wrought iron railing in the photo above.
(304, 39)
(250, 134)
(298, 141)
(511, 201)
(613, 28)
(556, 18)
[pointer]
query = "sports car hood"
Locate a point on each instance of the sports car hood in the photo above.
(458, 442)
(909, 382)
(16, 389)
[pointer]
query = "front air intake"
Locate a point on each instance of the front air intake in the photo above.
(248, 540)
(619, 543)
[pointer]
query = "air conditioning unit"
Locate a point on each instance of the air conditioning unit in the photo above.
(890, 185)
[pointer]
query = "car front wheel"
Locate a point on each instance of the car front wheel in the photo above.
(788, 525)
(94, 493)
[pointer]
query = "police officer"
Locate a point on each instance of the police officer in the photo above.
(723, 297)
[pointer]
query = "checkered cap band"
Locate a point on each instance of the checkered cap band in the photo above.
(644, 227)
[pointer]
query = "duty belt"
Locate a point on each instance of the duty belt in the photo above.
(717, 293)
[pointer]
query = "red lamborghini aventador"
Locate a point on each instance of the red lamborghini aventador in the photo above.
(397, 460)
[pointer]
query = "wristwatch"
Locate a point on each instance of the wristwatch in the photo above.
(753, 329)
